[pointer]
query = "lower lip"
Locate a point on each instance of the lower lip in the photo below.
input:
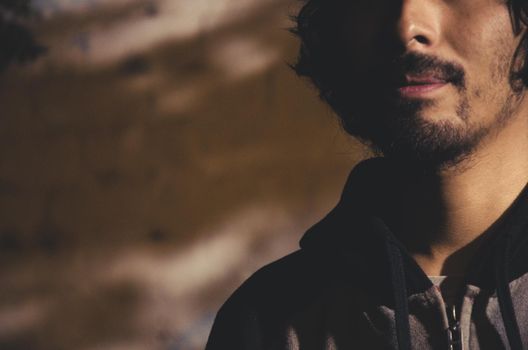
(419, 90)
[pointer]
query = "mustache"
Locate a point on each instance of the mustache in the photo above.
(421, 64)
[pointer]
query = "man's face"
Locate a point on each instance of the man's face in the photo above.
(431, 77)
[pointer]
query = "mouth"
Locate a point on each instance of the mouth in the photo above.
(419, 86)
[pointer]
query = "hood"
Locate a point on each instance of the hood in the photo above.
(354, 236)
(354, 229)
(354, 239)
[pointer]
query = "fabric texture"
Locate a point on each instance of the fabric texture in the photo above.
(352, 285)
(449, 287)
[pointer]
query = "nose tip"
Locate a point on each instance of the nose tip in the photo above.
(411, 34)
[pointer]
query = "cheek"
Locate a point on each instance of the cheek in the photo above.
(364, 37)
(485, 49)
(477, 33)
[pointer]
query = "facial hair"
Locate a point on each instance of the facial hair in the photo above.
(395, 128)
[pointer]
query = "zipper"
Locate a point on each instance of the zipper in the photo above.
(454, 333)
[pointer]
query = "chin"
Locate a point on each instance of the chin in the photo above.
(422, 136)
(431, 142)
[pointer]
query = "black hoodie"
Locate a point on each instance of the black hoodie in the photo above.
(352, 285)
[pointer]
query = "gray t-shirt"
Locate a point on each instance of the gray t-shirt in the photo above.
(449, 287)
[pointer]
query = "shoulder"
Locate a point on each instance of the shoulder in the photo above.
(264, 304)
(276, 282)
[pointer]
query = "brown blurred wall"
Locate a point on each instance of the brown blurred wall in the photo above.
(142, 180)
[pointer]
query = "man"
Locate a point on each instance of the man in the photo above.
(428, 246)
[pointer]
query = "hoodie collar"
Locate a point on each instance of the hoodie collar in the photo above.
(352, 232)
(353, 237)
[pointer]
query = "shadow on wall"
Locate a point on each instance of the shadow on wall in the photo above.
(144, 175)
(16, 41)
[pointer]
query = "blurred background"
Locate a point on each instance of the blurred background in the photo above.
(154, 154)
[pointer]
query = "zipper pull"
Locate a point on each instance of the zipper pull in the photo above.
(454, 333)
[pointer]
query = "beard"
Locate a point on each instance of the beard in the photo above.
(403, 135)
(395, 128)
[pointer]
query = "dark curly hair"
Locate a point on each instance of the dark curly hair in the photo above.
(322, 55)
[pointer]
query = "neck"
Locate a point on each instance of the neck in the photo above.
(442, 216)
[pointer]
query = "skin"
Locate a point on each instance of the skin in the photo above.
(440, 215)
